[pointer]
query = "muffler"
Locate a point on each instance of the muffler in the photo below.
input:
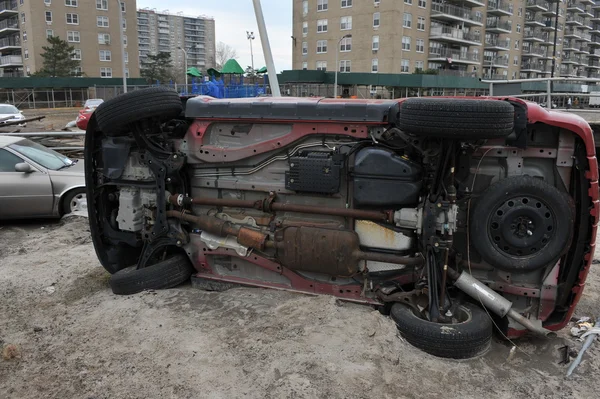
(494, 301)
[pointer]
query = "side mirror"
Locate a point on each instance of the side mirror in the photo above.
(23, 167)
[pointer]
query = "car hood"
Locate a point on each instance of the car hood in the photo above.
(72, 171)
(12, 116)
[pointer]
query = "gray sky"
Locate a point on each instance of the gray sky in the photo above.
(234, 17)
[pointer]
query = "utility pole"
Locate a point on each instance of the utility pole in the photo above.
(185, 66)
(337, 67)
(250, 36)
(264, 39)
(122, 46)
(555, 38)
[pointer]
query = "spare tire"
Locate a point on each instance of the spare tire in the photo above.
(522, 224)
(159, 103)
(469, 337)
(166, 274)
(456, 118)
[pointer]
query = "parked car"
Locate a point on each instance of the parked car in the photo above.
(87, 111)
(10, 113)
(439, 211)
(36, 181)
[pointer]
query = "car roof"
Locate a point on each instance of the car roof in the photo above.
(8, 140)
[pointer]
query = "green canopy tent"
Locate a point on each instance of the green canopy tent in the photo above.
(213, 72)
(262, 70)
(232, 67)
(193, 71)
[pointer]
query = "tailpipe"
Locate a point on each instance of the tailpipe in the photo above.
(494, 301)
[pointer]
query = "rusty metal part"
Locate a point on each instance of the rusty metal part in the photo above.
(252, 238)
(334, 252)
(223, 228)
(268, 205)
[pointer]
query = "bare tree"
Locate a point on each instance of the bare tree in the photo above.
(224, 52)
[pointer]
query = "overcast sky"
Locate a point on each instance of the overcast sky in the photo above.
(234, 17)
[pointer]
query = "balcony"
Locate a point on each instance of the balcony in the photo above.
(497, 26)
(10, 43)
(533, 35)
(587, 2)
(472, 3)
(571, 59)
(10, 61)
(549, 24)
(9, 26)
(495, 62)
(532, 20)
(574, 20)
(537, 5)
(585, 37)
(583, 50)
(572, 33)
(596, 5)
(456, 56)
(550, 10)
(594, 53)
(575, 7)
(8, 8)
(451, 35)
(547, 39)
(499, 8)
(497, 44)
(452, 13)
(570, 45)
(533, 51)
(531, 67)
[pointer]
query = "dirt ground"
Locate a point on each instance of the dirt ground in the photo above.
(75, 339)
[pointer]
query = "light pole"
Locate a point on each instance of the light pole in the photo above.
(122, 46)
(250, 36)
(185, 58)
(337, 67)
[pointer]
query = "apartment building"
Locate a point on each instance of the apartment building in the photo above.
(491, 39)
(165, 32)
(91, 26)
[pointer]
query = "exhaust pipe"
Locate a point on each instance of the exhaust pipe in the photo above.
(494, 301)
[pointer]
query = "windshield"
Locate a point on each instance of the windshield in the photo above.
(93, 103)
(8, 109)
(44, 156)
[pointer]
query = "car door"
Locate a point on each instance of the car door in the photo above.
(23, 194)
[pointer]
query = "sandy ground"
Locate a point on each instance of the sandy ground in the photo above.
(78, 340)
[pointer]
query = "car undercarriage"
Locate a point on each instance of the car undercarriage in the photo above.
(449, 214)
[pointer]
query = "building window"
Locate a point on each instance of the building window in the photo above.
(304, 66)
(76, 54)
(407, 1)
(103, 38)
(421, 23)
(105, 55)
(423, 3)
(23, 17)
(101, 4)
(49, 33)
(405, 66)
(516, 44)
(77, 71)
(419, 65)
(321, 25)
(345, 66)
(123, 8)
(374, 65)
(321, 46)
(24, 36)
(106, 72)
(516, 60)
(322, 5)
(304, 48)
(305, 7)
(345, 23)
(518, 28)
(346, 44)
(346, 3)
(376, 2)
(375, 43)
(420, 46)
(102, 22)
(126, 57)
(46, 2)
(125, 25)
(321, 65)
(72, 19)
(125, 40)
(520, 11)
(405, 43)
(49, 16)
(376, 20)
(304, 28)
(73, 36)
(407, 21)
(26, 54)
(71, 3)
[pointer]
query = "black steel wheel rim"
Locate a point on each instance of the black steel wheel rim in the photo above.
(522, 226)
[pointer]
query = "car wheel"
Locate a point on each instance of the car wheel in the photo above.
(522, 224)
(161, 275)
(470, 336)
(115, 115)
(456, 119)
(74, 200)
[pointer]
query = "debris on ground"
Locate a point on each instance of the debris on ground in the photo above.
(10, 352)
(582, 326)
(589, 336)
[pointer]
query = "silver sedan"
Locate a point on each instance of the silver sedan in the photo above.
(36, 181)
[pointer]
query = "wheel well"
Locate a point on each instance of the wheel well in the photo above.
(61, 201)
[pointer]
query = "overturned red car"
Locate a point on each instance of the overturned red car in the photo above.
(442, 212)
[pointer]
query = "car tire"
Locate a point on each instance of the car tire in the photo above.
(75, 195)
(470, 338)
(550, 211)
(456, 118)
(159, 103)
(165, 274)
